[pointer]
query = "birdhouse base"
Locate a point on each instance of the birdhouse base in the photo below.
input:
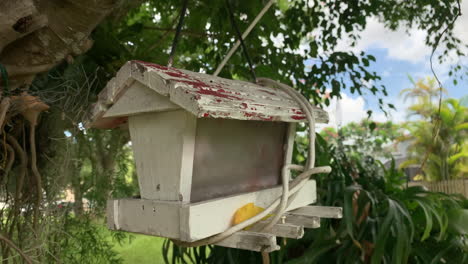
(194, 221)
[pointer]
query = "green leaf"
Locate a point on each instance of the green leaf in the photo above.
(458, 222)
(384, 231)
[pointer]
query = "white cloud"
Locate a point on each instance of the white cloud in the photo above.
(460, 25)
(348, 110)
(354, 110)
(401, 45)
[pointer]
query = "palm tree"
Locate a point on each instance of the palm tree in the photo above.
(438, 136)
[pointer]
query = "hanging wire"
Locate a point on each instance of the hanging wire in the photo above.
(183, 11)
(450, 25)
(239, 36)
(437, 122)
(244, 35)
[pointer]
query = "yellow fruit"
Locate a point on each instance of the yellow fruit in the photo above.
(246, 212)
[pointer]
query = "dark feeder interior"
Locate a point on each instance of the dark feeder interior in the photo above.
(236, 156)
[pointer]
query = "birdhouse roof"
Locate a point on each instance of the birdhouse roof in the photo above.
(147, 87)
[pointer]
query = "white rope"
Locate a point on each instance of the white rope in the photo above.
(288, 191)
(244, 35)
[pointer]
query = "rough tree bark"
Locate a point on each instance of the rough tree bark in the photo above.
(35, 36)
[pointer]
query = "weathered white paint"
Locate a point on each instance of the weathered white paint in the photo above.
(202, 95)
(143, 216)
(301, 220)
(289, 147)
(191, 222)
(138, 99)
(251, 241)
(219, 212)
(286, 230)
(319, 211)
(163, 145)
(161, 106)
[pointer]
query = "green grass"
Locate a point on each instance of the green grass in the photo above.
(141, 249)
(137, 249)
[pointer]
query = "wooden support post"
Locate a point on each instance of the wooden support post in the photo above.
(286, 230)
(251, 241)
(319, 211)
(305, 221)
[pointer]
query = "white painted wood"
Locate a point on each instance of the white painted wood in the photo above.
(144, 216)
(183, 221)
(301, 220)
(163, 146)
(286, 230)
(205, 95)
(319, 211)
(138, 99)
(250, 241)
(214, 216)
(289, 146)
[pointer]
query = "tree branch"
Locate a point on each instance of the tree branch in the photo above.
(20, 252)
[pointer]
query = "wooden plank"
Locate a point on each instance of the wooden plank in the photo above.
(211, 217)
(250, 241)
(138, 99)
(163, 146)
(289, 146)
(204, 95)
(144, 216)
(286, 230)
(301, 220)
(319, 211)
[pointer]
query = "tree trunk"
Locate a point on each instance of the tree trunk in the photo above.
(36, 35)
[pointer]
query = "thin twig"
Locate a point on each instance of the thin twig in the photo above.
(37, 175)
(244, 36)
(182, 32)
(437, 123)
(12, 245)
(177, 33)
(23, 164)
(239, 36)
(11, 159)
(4, 106)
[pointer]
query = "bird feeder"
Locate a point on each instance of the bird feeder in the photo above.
(204, 147)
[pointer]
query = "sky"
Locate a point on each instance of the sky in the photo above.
(398, 55)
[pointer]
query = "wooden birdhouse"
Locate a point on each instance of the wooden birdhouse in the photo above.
(204, 146)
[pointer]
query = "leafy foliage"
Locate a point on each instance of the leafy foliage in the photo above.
(383, 222)
(307, 57)
(437, 141)
(294, 42)
(366, 137)
(81, 240)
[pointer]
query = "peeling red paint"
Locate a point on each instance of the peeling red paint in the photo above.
(268, 92)
(297, 111)
(217, 93)
(297, 117)
(211, 88)
(259, 116)
(221, 95)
